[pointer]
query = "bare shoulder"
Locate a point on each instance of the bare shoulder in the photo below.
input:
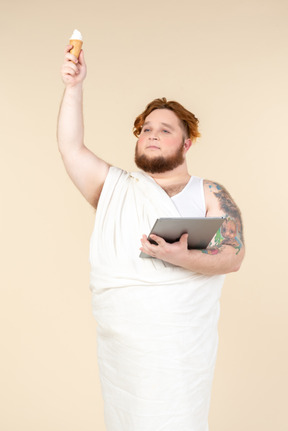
(212, 187)
(219, 199)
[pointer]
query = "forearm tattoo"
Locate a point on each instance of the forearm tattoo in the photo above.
(231, 231)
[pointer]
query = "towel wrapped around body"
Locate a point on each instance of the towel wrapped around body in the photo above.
(156, 323)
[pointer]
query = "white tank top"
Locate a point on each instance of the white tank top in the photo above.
(190, 202)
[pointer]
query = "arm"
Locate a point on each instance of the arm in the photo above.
(226, 250)
(87, 171)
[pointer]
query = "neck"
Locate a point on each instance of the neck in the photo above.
(173, 182)
(175, 176)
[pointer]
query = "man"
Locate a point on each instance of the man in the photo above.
(157, 318)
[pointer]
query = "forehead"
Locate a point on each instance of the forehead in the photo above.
(163, 116)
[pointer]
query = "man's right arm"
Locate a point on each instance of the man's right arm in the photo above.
(87, 171)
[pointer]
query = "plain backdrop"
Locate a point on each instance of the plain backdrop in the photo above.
(224, 60)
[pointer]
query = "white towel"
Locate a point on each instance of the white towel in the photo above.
(157, 323)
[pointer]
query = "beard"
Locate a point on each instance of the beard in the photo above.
(160, 164)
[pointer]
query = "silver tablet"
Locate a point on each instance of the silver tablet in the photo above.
(200, 230)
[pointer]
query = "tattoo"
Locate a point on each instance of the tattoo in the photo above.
(212, 250)
(231, 231)
(218, 187)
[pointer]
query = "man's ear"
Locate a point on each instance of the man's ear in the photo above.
(187, 144)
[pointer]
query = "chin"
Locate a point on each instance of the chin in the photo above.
(154, 164)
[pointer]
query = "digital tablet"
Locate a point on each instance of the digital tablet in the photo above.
(200, 230)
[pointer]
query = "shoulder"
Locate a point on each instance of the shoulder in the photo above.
(212, 186)
(213, 192)
(219, 199)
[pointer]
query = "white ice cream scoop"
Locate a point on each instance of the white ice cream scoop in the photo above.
(76, 35)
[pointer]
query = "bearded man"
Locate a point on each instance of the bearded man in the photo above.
(157, 318)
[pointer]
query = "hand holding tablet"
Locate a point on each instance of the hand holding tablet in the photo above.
(200, 230)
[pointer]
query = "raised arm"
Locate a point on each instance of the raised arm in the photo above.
(226, 250)
(87, 171)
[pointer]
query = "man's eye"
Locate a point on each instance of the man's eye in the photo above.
(146, 130)
(166, 131)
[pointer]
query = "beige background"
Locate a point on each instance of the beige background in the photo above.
(227, 62)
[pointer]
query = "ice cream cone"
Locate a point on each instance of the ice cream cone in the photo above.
(77, 45)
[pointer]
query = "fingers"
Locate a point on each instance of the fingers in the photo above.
(68, 48)
(184, 239)
(158, 239)
(70, 69)
(71, 57)
(73, 70)
(69, 66)
(81, 58)
(147, 247)
(152, 249)
(160, 249)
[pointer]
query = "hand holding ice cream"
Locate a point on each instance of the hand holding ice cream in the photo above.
(74, 67)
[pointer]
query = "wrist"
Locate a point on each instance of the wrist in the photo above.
(73, 93)
(74, 87)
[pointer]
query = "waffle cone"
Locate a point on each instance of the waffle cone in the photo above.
(77, 45)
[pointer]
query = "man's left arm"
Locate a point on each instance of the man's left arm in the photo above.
(226, 250)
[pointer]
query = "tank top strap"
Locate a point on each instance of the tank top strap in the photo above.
(190, 202)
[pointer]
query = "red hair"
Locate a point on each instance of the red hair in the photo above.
(188, 120)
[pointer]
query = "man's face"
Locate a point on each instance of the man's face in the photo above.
(160, 147)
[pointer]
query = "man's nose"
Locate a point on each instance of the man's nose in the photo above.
(153, 137)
